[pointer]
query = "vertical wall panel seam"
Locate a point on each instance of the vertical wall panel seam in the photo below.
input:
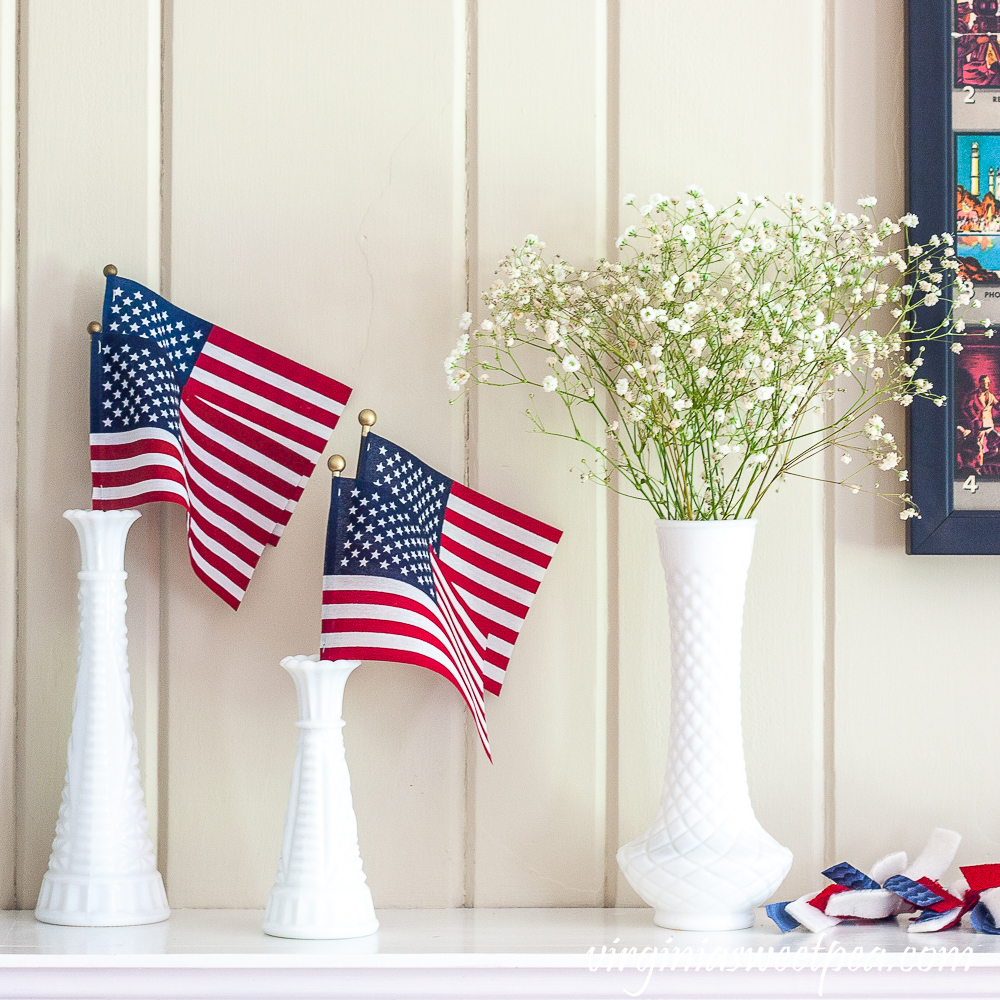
(607, 227)
(827, 718)
(469, 12)
(9, 445)
(163, 678)
(20, 279)
(149, 707)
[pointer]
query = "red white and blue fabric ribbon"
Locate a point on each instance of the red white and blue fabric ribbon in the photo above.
(894, 886)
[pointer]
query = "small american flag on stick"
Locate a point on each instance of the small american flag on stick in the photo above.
(420, 569)
(186, 412)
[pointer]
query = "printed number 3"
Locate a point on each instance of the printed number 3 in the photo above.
(970, 484)
(970, 94)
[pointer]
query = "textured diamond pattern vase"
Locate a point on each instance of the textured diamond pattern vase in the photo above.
(102, 870)
(320, 890)
(706, 861)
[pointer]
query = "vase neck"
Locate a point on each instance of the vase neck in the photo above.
(319, 685)
(102, 535)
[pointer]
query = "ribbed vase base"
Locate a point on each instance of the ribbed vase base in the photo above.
(82, 901)
(703, 921)
(296, 913)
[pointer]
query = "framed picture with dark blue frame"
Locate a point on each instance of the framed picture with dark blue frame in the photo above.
(953, 136)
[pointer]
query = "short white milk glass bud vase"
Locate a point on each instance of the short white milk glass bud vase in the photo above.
(320, 890)
(705, 862)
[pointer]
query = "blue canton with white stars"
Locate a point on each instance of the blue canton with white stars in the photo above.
(141, 360)
(385, 522)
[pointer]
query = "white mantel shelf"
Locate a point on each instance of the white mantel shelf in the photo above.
(443, 954)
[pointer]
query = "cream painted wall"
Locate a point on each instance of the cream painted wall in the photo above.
(337, 181)
(907, 733)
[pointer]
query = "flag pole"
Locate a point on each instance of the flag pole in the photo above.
(96, 327)
(336, 465)
(367, 420)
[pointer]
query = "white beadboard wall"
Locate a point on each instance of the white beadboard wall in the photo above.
(338, 181)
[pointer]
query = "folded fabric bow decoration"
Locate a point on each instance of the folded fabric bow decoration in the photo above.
(895, 886)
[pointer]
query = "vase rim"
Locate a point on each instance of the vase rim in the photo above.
(75, 515)
(713, 521)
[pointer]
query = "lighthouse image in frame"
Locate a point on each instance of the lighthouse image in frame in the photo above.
(977, 206)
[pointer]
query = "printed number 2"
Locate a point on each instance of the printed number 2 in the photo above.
(970, 94)
(970, 484)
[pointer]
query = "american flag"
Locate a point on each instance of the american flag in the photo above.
(420, 569)
(189, 413)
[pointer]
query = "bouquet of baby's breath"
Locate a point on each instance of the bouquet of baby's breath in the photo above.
(711, 351)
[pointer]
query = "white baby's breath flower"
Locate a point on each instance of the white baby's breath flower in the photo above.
(909, 220)
(550, 383)
(551, 331)
(956, 348)
(869, 202)
(874, 428)
(846, 459)
(688, 234)
(571, 363)
(466, 321)
(621, 386)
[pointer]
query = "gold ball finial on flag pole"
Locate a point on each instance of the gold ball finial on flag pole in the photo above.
(336, 464)
(94, 327)
(367, 420)
(110, 270)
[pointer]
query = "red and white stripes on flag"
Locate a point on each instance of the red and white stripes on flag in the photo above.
(379, 618)
(495, 558)
(250, 427)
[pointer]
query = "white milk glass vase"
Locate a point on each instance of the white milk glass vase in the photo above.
(102, 870)
(705, 862)
(320, 890)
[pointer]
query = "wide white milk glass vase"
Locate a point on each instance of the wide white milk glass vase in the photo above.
(706, 861)
(320, 890)
(102, 870)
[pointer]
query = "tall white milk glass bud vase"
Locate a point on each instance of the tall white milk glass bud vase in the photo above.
(320, 890)
(706, 861)
(102, 870)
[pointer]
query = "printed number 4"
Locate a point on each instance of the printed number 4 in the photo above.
(970, 94)
(970, 484)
